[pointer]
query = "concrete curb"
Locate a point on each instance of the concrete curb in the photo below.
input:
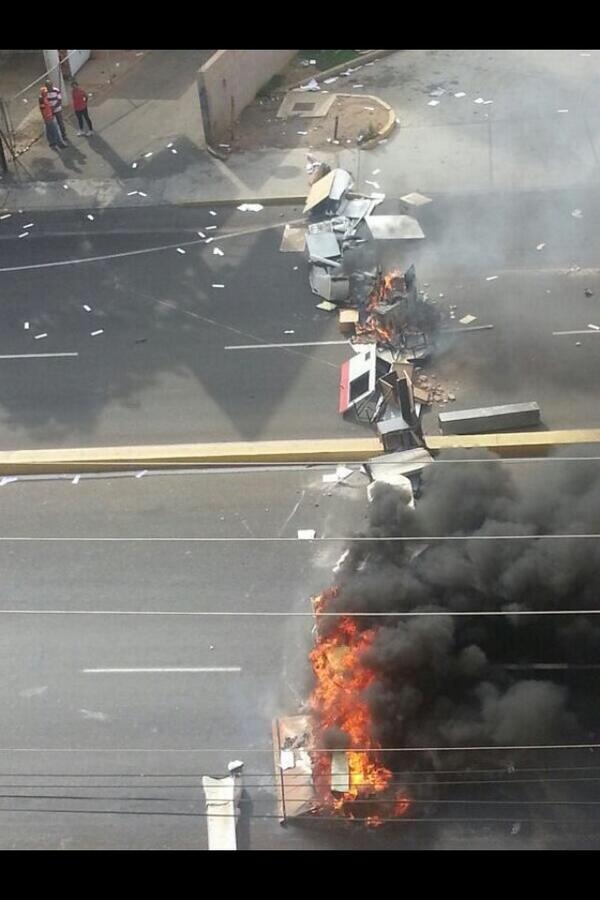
(181, 456)
(386, 129)
(327, 73)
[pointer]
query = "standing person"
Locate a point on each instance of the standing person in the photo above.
(52, 130)
(80, 101)
(55, 98)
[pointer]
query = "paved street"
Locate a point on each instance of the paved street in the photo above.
(159, 372)
(114, 759)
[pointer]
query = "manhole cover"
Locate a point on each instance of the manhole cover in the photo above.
(303, 107)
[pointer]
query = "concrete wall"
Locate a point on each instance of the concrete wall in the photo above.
(229, 81)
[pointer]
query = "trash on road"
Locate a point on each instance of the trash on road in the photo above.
(90, 217)
(87, 308)
(312, 85)
(250, 207)
(491, 278)
(218, 285)
(306, 534)
(416, 199)
(588, 292)
(97, 332)
(181, 250)
(577, 213)
(466, 320)
(540, 246)
(433, 103)
(218, 252)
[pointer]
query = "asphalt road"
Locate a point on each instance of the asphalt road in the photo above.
(159, 372)
(114, 759)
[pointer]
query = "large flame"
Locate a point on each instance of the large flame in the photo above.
(338, 700)
(371, 328)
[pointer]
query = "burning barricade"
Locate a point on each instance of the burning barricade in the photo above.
(349, 781)
(389, 322)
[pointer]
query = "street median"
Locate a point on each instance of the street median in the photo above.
(181, 456)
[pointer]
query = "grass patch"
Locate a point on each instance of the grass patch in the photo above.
(326, 59)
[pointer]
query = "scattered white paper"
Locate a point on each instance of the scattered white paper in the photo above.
(562, 110)
(141, 474)
(76, 479)
(466, 320)
(302, 132)
(416, 199)
(6, 216)
(169, 145)
(479, 100)
(295, 268)
(372, 183)
(134, 165)
(577, 214)
(66, 187)
(28, 226)
(330, 478)
(306, 534)
(90, 217)
(99, 331)
(250, 207)
(201, 234)
(540, 246)
(40, 336)
(148, 155)
(209, 240)
(8, 479)
(485, 102)
(131, 193)
(375, 171)
(369, 108)
(218, 252)
(211, 227)
(289, 331)
(26, 326)
(142, 194)
(287, 759)
(311, 86)
(460, 94)
(24, 234)
(433, 103)
(181, 250)
(343, 472)
(491, 278)
(357, 86)
(212, 212)
(594, 327)
(87, 308)
(438, 92)
(331, 80)
(173, 150)
(218, 285)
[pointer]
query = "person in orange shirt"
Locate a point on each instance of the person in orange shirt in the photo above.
(53, 134)
(80, 101)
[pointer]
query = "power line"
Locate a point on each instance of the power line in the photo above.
(252, 750)
(250, 539)
(293, 614)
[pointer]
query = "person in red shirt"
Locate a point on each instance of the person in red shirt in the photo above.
(53, 134)
(80, 101)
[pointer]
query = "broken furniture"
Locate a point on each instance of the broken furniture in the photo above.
(490, 418)
(222, 804)
(348, 319)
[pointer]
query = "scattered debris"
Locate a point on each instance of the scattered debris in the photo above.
(218, 252)
(460, 94)
(173, 150)
(181, 250)
(577, 214)
(201, 234)
(490, 418)
(90, 217)
(311, 86)
(326, 305)
(250, 207)
(466, 320)
(293, 239)
(330, 80)
(218, 285)
(5, 216)
(26, 326)
(438, 92)
(578, 343)
(491, 278)
(433, 103)
(24, 234)
(98, 331)
(8, 479)
(306, 534)
(416, 199)
(76, 479)
(38, 337)
(289, 331)
(594, 327)
(588, 292)
(87, 308)
(540, 246)
(134, 165)
(562, 110)
(141, 474)
(28, 226)
(148, 155)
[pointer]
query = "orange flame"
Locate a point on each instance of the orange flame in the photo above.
(338, 701)
(381, 292)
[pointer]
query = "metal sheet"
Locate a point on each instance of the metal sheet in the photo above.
(323, 244)
(293, 239)
(356, 208)
(296, 103)
(490, 418)
(393, 228)
(342, 182)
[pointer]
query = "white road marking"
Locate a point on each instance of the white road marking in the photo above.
(583, 331)
(36, 355)
(270, 346)
(165, 669)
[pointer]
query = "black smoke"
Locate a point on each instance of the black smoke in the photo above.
(467, 681)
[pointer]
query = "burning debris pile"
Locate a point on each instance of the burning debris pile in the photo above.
(450, 681)
(384, 313)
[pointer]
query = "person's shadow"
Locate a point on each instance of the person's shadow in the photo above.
(243, 825)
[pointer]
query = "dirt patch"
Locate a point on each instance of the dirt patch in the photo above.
(358, 118)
